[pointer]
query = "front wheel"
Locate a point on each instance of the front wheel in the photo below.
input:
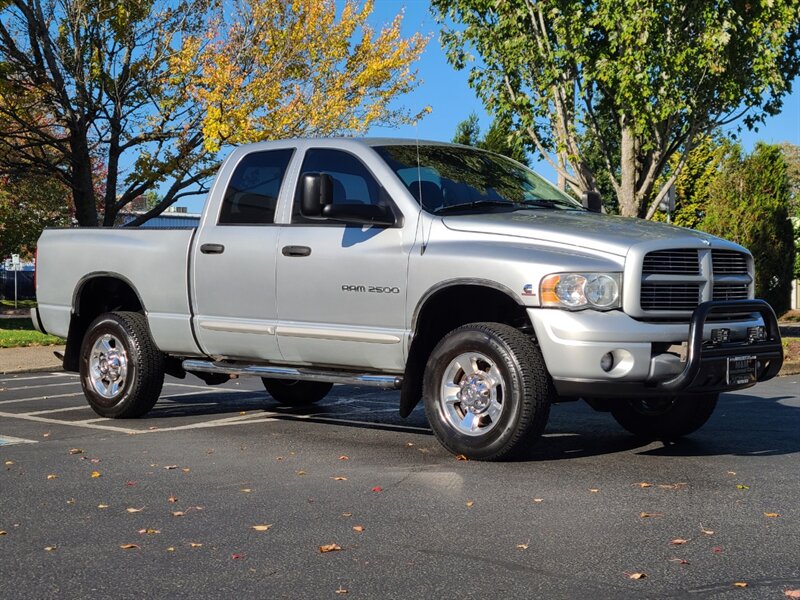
(487, 392)
(122, 370)
(665, 418)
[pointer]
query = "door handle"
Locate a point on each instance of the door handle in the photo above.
(296, 251)
(212, 248)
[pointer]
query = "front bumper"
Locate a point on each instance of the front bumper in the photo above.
(644, 358)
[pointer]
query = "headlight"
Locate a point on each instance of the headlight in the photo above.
(576, 291)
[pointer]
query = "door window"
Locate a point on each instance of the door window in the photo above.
(252, 193)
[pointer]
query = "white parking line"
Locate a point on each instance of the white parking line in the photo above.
(41, 398)
(36, 387)
(55, 410)
(7, 440)
(30, 378)
(38, 419)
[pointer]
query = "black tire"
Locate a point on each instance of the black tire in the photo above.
(296, 393)
(117, 338)
(665, 418)
(521, 390)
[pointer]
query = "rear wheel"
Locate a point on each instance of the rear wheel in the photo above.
(122, 370)
(665, 418)
(296, 393)
(487, 392)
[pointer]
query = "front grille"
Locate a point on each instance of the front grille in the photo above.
(670, 296)
(728, 262)
(676, 280)
(681, 261)
(728, 291)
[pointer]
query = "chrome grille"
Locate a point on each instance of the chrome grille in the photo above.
(728, 262)
(670, 296)
(680, 261)
(728, 291)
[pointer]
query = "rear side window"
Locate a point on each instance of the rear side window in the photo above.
(252, 193)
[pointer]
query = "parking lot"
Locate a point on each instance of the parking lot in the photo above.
(220, 491)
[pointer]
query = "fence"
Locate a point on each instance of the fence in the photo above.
(25, 287)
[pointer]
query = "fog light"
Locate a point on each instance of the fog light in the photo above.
(607, 362)
(756, 334)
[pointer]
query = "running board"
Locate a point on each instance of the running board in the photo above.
(392, 382)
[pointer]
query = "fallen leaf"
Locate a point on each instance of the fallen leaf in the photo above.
(673, 486)
(409, 444)
(706, 531)
(740, 584)
(8, 463)
(172, 499)
(129, 547)
(52, 476)
(461, 457)
(594, 490)
(50, 548)
(339, 478)
(340, 590)
(185, 469)
(278, 458)
(94, 461)
(680, 561)
(330, 548)
(46, 434)
(149, 531)
(170, 467)
(538, 499)
(196, 507)
(644, 484)
(195, 545)
(237, 556)
(262, 527)
(635, 575)
(470, 503)
(645, 515)
(75, 451)
(95, 474)
(771, 515)
(358, 528)
(245, 490)
(731, 473)
(678, 542)
(347, 514)
(300, 473)
(740, 486)
(523, 546)
(791, 593)
(716, 549)
(134, 510)
(102, 506)
(171, 549)
(343, 457)
(178, 513)
(130, 483)
(3, 532)
(377, 488)
(242, 412)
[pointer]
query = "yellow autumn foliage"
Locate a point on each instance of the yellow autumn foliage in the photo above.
(295, 68)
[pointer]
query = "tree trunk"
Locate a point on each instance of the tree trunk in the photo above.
(628, 203)
(82, 181)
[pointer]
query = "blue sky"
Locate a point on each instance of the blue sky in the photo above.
(452, 100)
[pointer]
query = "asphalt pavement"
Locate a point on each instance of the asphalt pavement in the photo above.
(219, 492)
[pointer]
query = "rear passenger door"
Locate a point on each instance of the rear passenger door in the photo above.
(233, 262)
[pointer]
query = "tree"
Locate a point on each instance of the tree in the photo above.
(154, 89)
(748, 204)
(642, 80)
(26, 207)
(791, 154)
(499, 139)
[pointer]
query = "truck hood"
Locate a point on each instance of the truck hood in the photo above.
(615, 235)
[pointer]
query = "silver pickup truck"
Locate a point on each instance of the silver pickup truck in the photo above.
(455, 275)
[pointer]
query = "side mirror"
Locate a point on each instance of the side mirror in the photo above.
(316, 192)
(592, 201)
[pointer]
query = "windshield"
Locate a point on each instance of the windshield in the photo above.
(453, 179)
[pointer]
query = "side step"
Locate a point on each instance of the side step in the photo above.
(392, 382)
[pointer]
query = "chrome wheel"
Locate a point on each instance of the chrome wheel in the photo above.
(472, 394)
(108, 366)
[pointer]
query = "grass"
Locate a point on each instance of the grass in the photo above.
(15, 333)
(8, 305)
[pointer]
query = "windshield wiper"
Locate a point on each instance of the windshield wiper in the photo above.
(546, 203)
(470, 205)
